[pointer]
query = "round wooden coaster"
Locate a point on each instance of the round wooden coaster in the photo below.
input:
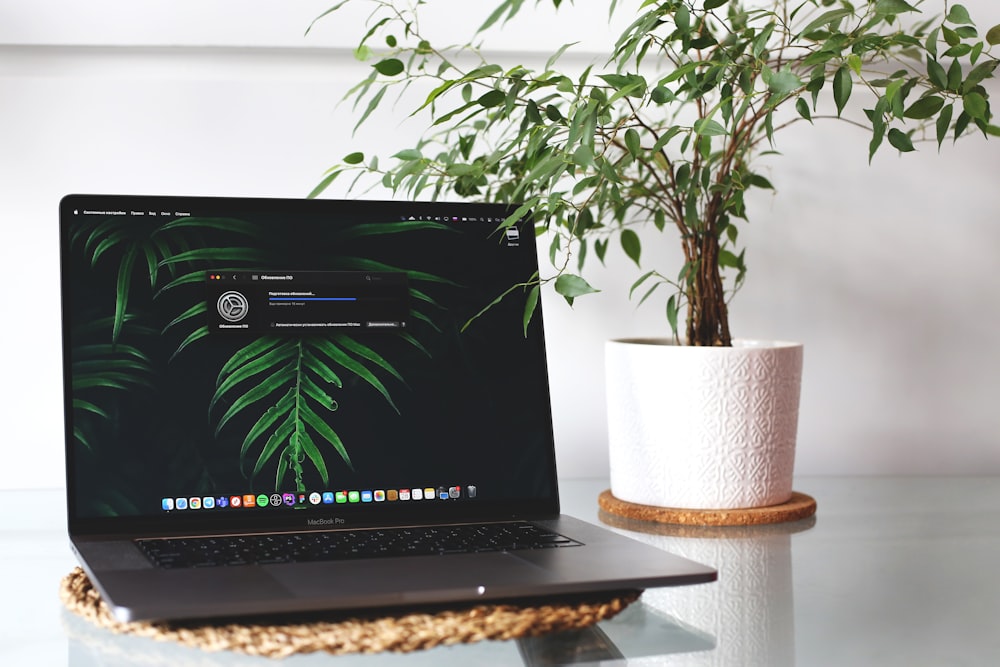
(799, 506)
(339, 634)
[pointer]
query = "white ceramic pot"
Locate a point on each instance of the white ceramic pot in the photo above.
(702, 427)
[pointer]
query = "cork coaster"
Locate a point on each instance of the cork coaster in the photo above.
(343, 633)
(799, 506)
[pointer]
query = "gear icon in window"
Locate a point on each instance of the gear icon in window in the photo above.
(233, 306)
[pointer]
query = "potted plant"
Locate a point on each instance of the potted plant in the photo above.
(666, 136)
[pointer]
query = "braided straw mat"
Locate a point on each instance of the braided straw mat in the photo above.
(407, 631)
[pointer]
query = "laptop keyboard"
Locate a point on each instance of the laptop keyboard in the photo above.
(348, 544)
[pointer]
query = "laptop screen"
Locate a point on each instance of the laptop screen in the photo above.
(264, 362)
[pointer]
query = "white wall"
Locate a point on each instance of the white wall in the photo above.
(887, 274)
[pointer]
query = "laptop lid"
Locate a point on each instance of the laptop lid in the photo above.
(240, 364)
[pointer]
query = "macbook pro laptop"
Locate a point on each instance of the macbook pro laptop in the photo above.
(278, 406)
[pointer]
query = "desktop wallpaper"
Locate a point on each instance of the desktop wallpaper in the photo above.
(177, 394)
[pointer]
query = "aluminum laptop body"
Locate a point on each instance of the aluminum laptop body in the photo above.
(237, 368)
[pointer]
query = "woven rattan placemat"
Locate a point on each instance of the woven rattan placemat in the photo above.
(799, 506)
(339, 634)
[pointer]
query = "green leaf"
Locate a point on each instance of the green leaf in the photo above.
(558, 54)
(259, 346)
(649, 292)
(340, 357)
(324, 184)
(492, 98)
(877, 136)
(326, 13)
(931, 42)
(375, 100)
(284, 431)
(962, 124)
(80, 404)
(728, 259)
(707, 127)
(571, 286)
(900, 141)
(195, 335)
(993, 35)
(893, 7)
(197, 309)
(366, 352)
(122, 291)
(255, 366)
(661, 95)
(323, 429)
(958, 51)
(315, 392)
(979, 73)
(583, 156)
(672, 313)
(381, 228)
(409, 154)
(511, 7)
(631, 245)
(224, 224)
(665, 138)
(959, 15)
(975, 105)
(321, 369)
(842, 86)
(632, 85)
(784, 82)
(826, 19)
(803, 108)
(532, 113)
(389, 67)
(214, 255)
(977, 51)
(268, 419)
(632, 141)
(639, 282)
(924, 107)
(955, 75)
(854, 62)
(530, 304)
(944, 123)
(312, 452)
(714, 4)
(354, 158)
(936, 73)
(256, 393)
(682, 18)
(282, 468)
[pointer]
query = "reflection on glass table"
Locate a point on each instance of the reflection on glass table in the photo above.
(640, 632)
(750, 610)
(891, 572)
(746, 618)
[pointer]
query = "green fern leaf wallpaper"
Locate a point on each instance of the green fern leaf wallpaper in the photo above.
(173, 394)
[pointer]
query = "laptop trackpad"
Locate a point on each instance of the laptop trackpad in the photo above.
(415, 579)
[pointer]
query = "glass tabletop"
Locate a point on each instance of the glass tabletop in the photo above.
(891, 571)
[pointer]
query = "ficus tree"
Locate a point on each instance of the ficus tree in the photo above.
(668, 130)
